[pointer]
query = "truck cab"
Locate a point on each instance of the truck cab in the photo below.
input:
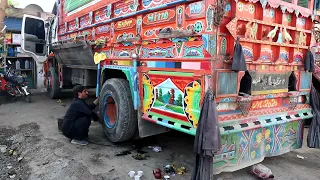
(64, 64)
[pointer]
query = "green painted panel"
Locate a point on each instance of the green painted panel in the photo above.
(70, 5)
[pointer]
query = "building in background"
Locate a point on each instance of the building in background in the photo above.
(24, 64)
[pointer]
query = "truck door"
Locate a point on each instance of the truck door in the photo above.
(33, 34)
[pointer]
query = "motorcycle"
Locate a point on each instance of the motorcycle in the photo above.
(15, 85)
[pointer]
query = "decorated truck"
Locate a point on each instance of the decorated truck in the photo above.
(152, 61)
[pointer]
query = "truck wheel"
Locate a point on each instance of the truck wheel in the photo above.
(53, 84)
(117, 114)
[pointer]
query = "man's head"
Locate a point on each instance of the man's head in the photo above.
(80, 92)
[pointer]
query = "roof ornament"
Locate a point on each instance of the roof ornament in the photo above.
(283, 8)
(297, 12)
(264, 3)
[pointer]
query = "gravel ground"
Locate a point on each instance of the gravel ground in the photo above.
(44, 153)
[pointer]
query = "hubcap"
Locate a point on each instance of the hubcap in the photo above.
(110, 111)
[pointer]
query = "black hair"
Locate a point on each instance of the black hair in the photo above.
(77, 89)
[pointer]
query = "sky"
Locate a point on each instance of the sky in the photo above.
(46, 5)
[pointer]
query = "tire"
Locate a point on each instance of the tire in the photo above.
(117, 114)
(54, 90)
(28, 99)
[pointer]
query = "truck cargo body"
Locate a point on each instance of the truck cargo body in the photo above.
(156, 59)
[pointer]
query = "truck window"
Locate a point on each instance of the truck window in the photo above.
(34, 36)
(35, 27)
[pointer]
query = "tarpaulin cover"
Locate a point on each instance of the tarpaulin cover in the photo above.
(207, 140)
(238, 60)
(309, 62)
(313, 140)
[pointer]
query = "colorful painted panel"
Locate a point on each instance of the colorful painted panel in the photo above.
(123, 52)
(269, 83)
(102, 14)
(227, 83)
(86, 20)
(125, 28)
(173, 96)
(195, 10)
(103, 32)
(193, 49)
(73, 25)
(122, 8)
(147, 4)
(159, 17)
(167, 50)
(154, 22)
(246, 148)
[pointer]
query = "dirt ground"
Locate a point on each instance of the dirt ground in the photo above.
(42, 152)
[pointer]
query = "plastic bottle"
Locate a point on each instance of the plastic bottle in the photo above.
(26, 64)
(262, 171)
(18, 64)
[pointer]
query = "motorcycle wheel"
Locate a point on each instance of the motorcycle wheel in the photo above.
(28, 99)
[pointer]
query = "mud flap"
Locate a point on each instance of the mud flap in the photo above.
(147, 128)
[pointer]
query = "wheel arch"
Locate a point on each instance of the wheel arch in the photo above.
(108, 73)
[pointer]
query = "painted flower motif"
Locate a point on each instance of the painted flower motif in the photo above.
(240, 6)
(259, 138)
(268, 147)
(228, 7)
(253, 154)
(251, 8)
(267, 134)
(289, 18)
(198, 27)
(271, 13)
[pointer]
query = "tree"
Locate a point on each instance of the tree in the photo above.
(171, 100)
(12, 3)
(160, 95)
(179, 100)
(3, 7)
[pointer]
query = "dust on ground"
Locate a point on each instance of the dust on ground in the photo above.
(44, 153)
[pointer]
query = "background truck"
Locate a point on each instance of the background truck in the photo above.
(152, 61)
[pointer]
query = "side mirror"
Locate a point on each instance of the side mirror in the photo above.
(47, 25)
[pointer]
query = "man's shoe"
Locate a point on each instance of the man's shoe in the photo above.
(77, 142)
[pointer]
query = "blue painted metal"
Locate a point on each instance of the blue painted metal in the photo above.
(131, 79)
(227, 83)
(135, 85)
(305, 81)
(98, 80)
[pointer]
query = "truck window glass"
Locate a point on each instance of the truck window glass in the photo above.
(35, 27)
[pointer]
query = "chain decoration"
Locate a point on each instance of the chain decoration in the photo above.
(219, 11)
(316, 31)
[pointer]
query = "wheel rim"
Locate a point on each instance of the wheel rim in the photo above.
(110, 111)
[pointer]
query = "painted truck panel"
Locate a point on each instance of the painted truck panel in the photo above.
(261, 111)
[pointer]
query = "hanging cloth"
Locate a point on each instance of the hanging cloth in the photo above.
(238, 60)
(207, 140)
(313, 139)
(309, 62)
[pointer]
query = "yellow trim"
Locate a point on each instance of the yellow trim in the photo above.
(269, 91)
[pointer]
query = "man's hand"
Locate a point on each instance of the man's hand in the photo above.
(96, 102)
